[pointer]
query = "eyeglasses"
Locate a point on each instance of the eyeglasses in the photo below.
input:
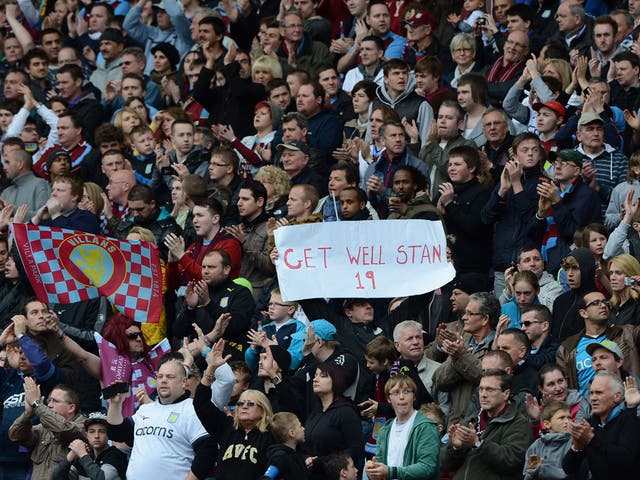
(296, 26)
(276, 304)
(134, 335)
(463, 50)
(471, 314)
(488, 389)
(219, 164)
(528, 323)
(598, 302)
(516, 44)
(564, 163)
(396, 393)
(55, 401)
(247, 403)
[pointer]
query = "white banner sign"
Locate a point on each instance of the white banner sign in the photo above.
(362, 259)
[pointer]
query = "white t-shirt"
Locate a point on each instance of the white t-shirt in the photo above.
(163, 439)
(398, 438)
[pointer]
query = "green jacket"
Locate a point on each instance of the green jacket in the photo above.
(501, 454)
(421, 460)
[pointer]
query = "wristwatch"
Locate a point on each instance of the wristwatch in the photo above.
(477, 444)
(36, 404)
(276, 380)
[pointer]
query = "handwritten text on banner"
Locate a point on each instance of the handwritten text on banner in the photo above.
(386, 258)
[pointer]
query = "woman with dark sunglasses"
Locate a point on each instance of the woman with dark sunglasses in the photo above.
(122, 344)
(244, 438)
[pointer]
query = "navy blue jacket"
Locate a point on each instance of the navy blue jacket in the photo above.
(81, 220)
(510, 216)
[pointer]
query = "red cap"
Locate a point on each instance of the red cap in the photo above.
(552, 105)
(421, 17)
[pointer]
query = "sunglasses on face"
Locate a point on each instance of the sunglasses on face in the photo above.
(247, 403)
(134, 335)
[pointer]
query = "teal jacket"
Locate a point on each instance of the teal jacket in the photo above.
(421, 456)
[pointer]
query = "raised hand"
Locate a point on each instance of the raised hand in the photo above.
(631, 393)
(31, 393)
(582, 434)
(533, 407)
(21, 213)
(175, 244)
(237, 231)
(142, 396)
(221, 326)
(630, 207)
(191, 296)
(19, 324)
(411, 129)
(5, 216)
(256, 338)
(8, 335)
(202, 289)
(632, 119)
(214, 357)
(79, 448)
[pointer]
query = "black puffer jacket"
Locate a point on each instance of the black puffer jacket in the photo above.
(509, 217)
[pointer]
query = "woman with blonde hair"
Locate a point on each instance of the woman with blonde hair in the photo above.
(92, 199)
(126, 120)
(624, 275)
(463, 48)
(248, 427)
(265, 69)
(560, 69)
(276, 181)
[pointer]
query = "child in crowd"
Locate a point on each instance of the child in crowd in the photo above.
(466, 20)
(340, 467)
(144, 159)
(544, 457)
(284, 462)
(242, 373)
(433, 411)
(380, 354)
(353, 201)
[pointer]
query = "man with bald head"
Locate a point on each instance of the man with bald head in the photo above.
(504, 72)
(120, 184)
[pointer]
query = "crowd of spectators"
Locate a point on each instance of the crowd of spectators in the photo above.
(203, 127)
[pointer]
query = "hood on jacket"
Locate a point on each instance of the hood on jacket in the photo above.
(551, 438)
(587, 263)
(383, 94)
(573, 397)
